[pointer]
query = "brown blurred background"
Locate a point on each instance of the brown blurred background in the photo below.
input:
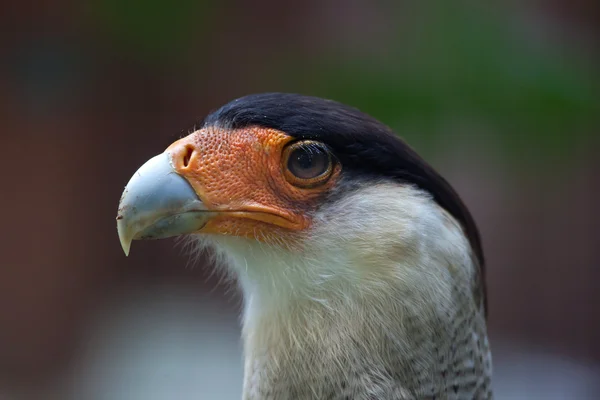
(503, 99)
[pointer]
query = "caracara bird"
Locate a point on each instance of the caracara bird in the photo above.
(360, 267)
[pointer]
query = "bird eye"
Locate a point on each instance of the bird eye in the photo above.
(307, 163)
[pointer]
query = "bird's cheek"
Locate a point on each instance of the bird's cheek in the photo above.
(238, 175)
(230, 171)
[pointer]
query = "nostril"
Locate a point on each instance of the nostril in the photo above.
(187, 156)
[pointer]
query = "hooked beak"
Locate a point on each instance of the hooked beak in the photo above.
(158, 203)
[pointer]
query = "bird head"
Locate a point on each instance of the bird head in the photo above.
(299, 188)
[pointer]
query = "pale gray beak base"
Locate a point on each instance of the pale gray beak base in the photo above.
(158, 203)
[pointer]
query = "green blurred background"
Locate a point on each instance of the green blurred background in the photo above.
(504, 99)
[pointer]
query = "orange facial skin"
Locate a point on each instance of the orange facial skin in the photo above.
(240, 174)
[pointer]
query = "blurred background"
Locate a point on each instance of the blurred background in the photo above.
(504, 99)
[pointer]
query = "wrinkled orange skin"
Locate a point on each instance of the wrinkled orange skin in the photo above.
(239, 174)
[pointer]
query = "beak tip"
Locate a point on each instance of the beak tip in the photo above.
(124, 237)
(126, 247)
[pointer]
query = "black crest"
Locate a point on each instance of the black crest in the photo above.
(358, 140)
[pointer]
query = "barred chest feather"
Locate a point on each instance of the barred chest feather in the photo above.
(392, 359)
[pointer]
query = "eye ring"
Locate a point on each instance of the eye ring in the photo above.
(307, 163)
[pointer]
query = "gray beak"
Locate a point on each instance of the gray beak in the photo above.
(158, 203)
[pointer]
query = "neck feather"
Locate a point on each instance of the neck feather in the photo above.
(377, 266)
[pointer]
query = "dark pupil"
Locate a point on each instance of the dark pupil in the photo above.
(308, 162)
